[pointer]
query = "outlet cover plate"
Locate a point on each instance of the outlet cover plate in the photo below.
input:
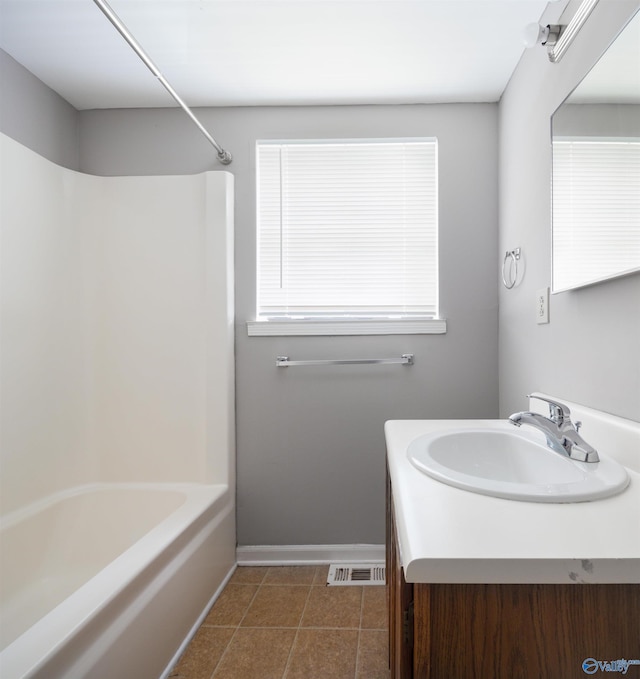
(542, 306)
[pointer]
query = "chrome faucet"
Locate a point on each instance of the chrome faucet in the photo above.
(562, 435)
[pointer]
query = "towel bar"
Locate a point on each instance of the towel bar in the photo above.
(405, 359)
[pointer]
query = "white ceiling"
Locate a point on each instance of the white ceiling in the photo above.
(271, 52)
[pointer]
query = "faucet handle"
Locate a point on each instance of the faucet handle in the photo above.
(558, 412)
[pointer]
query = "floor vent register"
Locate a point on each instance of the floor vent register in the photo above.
(356, 574)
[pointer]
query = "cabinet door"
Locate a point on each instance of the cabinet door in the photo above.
(473, 631)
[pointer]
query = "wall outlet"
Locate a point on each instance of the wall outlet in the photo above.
(542, 305)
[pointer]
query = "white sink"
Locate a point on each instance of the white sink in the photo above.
(514, 464)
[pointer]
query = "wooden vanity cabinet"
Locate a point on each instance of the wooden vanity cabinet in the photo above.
(529, 631)
(400, 602)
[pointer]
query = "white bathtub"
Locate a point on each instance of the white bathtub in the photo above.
(109, 580)
(117, 340)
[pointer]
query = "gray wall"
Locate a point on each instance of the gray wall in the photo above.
(310, 441)
(604, 120)
(590, 351)
(36, 116)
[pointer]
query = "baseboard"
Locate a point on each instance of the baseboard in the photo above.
(308, 555)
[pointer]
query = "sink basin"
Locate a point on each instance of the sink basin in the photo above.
(515, 465)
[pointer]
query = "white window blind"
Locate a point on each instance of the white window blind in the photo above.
(347, 229)
(596, 210)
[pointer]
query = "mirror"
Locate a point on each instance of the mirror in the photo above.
(596, 170)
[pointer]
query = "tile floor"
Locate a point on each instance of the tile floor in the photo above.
(285, 623)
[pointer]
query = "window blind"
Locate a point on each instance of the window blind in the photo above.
(596, 210)
(347, 228)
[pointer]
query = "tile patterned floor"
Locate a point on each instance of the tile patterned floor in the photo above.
(284, 623)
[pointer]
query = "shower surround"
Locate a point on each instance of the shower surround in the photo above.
(117, 385)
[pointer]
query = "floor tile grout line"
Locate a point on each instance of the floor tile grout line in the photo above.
(237, 627)
(290, 656)
(222, 655)
(295, 637)
(359, 632)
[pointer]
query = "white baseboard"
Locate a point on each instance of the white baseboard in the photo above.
(308, 555)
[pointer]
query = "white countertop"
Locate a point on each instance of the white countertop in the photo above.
(448, 535)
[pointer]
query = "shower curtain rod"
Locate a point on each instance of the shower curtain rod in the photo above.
(223, 156)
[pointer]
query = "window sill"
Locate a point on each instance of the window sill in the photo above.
(400, 326)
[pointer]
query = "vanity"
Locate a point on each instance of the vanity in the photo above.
(488, 587)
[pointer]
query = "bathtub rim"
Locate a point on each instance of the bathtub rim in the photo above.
(19, 514)
(48, 635)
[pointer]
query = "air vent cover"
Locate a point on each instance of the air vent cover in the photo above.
(356, 574)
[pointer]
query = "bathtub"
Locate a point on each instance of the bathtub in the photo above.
(117, 340)
(111, 580)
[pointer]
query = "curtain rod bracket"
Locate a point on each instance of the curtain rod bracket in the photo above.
(225, 157)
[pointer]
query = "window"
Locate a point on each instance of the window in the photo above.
(347, 231)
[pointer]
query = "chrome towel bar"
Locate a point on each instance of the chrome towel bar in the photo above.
(405, 359)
